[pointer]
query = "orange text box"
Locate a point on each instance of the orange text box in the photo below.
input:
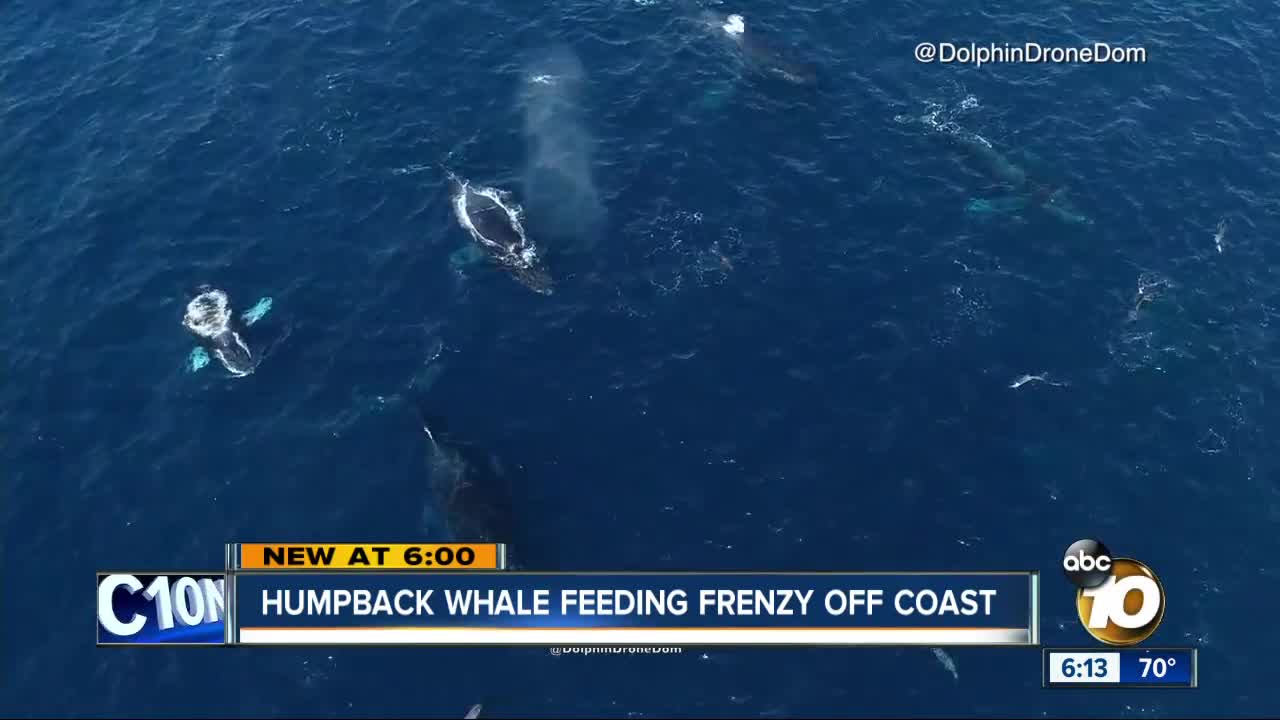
(370, 556)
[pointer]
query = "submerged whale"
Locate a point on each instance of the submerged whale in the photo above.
(1022, 190)
(1025, 189)
(220, 332)
(493, 221)
(471, 486)
(766, 58)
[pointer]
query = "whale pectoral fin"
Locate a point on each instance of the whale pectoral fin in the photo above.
(197, 359)
(460, 262)
(466, 256)
(1001, 187)
(1029, 159)
(257, 312)
(977, 206)
(730, 76)
(995, 206)
(1065, 214)
(720, 93)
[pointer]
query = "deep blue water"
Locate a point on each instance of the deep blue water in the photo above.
(782, 343)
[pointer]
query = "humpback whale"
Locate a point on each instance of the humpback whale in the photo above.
(471, 487)
(473, 713)
(493, 222)
(765, 57)
(220, 332)
(1026, 190)
(1023, 190)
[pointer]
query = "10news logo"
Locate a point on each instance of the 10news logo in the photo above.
(1120, 600)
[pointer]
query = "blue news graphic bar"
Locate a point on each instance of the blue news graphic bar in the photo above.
(1165, 667)
(995, 601)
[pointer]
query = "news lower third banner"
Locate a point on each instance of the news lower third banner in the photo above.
(634, 609)
(460, 594)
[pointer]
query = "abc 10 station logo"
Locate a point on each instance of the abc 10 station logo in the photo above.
(1120, 600)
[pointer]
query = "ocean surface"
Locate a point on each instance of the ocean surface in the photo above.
(785, 333)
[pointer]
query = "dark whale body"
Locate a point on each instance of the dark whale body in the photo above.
(219, 331)
(768, 59)
(495, 227)
(490, 220)
(230, 350)
(471, 487)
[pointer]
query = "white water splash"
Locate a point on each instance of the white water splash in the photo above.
(1041, 378)
(522, 255)
(208, 314)
(947, 663)
(683, 249)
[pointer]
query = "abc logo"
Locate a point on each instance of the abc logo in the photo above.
(1120, 601)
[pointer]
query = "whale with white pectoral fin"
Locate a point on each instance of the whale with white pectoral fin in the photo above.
(1021, 189)
(221, 333)
(471, 487)
(493, 220)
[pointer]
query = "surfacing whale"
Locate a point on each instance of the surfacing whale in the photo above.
(471, 486)
(764, 57)
(220, 332)
(493, 222)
